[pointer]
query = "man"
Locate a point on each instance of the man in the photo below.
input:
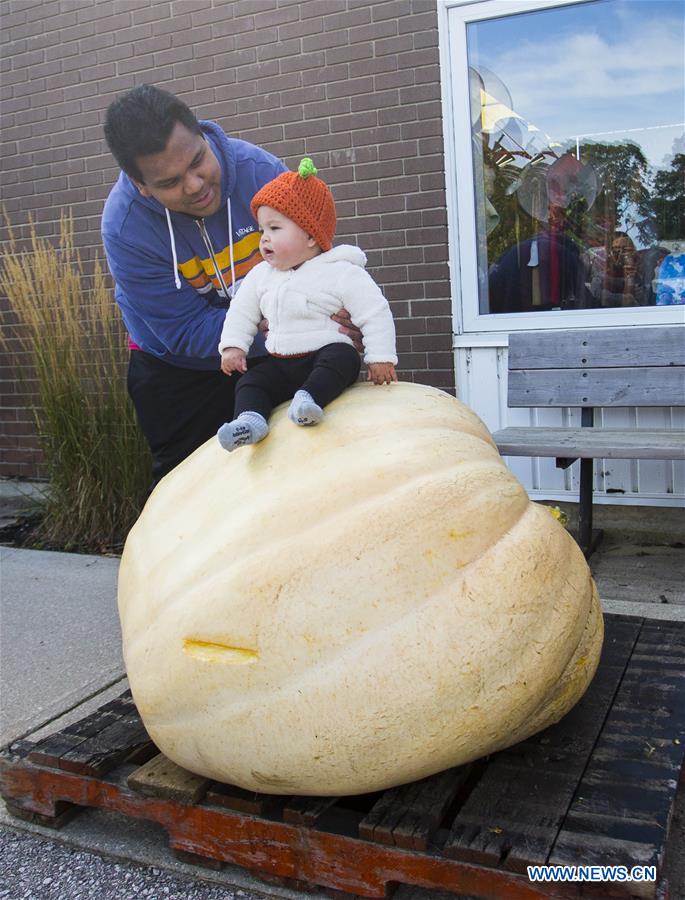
(179, 237)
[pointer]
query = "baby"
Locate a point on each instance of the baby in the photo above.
(301, 283)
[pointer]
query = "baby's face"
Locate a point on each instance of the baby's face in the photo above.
(284, 245)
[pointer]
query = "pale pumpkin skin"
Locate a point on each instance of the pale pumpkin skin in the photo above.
(355, 605)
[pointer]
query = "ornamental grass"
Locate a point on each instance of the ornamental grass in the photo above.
(68, 338)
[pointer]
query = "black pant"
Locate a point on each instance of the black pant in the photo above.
(324, 374)
(178, 409)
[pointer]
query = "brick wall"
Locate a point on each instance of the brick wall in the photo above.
(353, 84)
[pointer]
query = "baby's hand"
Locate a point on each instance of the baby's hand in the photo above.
(381, 373)
(233, 360)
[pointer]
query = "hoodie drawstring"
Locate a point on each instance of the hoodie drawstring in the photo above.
(177, 280)
(205, 236)
(230, 246)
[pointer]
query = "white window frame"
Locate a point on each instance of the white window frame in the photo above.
(453, 18)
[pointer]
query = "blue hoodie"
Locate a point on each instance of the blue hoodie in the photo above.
(170, 297)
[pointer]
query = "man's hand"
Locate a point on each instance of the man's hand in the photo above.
(348, 327)
(381, 373)
(233, 360)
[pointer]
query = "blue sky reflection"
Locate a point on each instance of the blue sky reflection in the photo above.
(611, 69)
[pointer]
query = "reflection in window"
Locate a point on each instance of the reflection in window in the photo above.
(579, 156)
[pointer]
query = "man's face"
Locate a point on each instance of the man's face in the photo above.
(185, 177)
(624, 255)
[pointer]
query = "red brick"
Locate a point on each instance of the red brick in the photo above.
(321, 8)
(324, 143)
(427, 21)
(350, 88)
(306, 129)
(266, 37)
(395, 9)
(328, 75)
(424, 39)
(350, 54)
(179, 7)
(327, 40)
(301, 29)
(303, 63)
(257, 71)
(380, 135)
(421, 129)
(276, 17)
(327, 107)
(250, 7)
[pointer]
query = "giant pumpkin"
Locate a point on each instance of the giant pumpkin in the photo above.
(355, 605)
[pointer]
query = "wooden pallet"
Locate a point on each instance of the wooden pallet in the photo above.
(598, 788)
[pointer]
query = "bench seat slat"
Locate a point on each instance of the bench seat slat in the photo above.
(591, 443)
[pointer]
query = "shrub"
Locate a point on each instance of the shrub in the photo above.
(69, 329)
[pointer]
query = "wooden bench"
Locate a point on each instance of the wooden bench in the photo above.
(604, 367)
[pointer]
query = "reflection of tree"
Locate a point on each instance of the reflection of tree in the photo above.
(515, 224)
(668, 201)
(623, 170)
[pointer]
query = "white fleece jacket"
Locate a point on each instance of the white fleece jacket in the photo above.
(299, 304)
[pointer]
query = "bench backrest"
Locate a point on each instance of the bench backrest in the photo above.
(638, 366)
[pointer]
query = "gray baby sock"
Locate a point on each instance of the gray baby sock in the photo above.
(303, 410)
(249, 428)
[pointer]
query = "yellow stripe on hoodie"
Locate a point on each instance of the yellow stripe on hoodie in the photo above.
(200, 272)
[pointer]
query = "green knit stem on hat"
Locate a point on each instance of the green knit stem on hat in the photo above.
(306, 168)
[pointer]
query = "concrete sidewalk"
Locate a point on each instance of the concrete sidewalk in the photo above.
(59, 635)
(60, 658)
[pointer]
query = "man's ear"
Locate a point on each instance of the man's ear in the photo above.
(141, 187)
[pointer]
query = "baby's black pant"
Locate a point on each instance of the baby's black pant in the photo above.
(324, 374)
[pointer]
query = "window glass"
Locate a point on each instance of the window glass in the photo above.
(578, 132)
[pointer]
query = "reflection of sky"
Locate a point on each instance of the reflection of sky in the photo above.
(603, 66)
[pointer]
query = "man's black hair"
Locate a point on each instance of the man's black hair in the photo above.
(139, 123)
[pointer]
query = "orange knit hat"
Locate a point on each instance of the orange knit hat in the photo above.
(305, 199)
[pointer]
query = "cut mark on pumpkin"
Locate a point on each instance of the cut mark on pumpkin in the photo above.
(210, 651)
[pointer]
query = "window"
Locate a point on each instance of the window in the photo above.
(578, 146)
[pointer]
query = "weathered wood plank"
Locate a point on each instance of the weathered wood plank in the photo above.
(409, 815)
(591, 443)
(598, 347)
(122, 705)
(102, 752)
(512, 816)
(597, 387)
(21, 748)
(50, 750)
(624, 801)
(306, 810)
(231, 796)
(160, 777)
